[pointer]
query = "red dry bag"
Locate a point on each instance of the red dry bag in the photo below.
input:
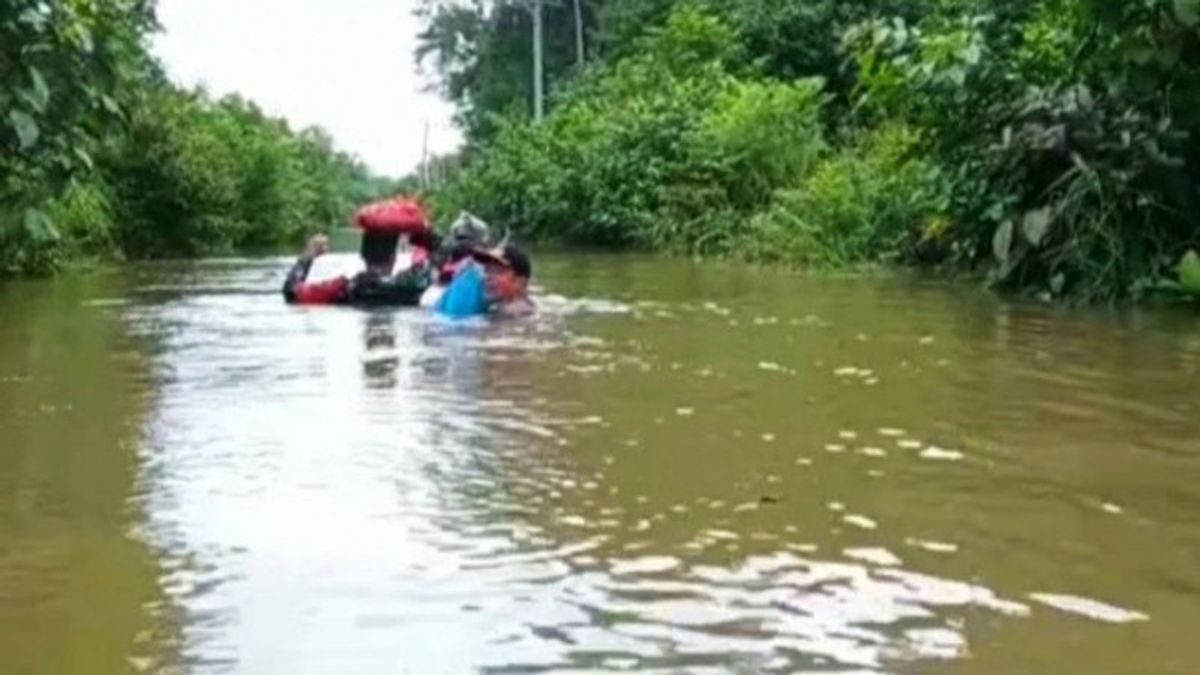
(395, 216)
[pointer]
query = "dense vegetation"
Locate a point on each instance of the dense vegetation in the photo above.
(1053, 144)
(101, 157)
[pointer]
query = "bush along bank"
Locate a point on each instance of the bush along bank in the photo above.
(1050, 144)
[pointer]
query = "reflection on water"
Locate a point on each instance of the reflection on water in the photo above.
(672, 468)
(77, 588)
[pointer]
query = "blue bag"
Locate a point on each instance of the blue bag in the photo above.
(466, 296)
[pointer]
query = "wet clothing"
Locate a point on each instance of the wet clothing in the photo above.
(449, 258)
(364, 289)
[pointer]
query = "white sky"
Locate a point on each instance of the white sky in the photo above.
(347, 65)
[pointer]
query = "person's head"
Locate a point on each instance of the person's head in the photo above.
(378, 251)
(382, 224)
(468, 230)
(508, 271)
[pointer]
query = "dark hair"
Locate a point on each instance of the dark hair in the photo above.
(378, 247)
(429, 240)
(518, 261)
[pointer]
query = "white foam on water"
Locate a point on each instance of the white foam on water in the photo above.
(936, 454)
(875, 556)
(1086, 607)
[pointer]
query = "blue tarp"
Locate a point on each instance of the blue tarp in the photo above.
(466, 296)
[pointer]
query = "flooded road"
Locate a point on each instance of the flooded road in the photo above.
(672, 468)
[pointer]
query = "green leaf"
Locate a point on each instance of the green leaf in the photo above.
(41, 93)
(1189, 273)
(1188, 12)
(1058, 282)
(25, 127)
(1002, 241)
(1035, 225)
(84, 157)
(38, 226)
(32, 17)
(83, 38)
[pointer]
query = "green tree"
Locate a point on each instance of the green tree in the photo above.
(66, 75)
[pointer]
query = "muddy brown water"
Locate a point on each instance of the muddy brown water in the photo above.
(674, 467)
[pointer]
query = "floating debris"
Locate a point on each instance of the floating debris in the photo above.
(835, 448)
(748, 506)
(873, 452)
(685, 412)
(768, 438)
(927, 340)
(804, 461)
(836, 506)
(891, 432)
(909, 444)
(847, 435)
(1112, 508)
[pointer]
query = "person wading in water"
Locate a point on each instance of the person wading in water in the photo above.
(378, 285)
